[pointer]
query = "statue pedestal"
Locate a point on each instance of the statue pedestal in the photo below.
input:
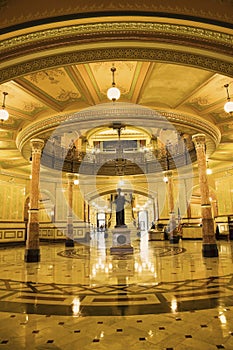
(121, 243)
(155, 235)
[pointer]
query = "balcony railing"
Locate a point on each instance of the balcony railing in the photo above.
(117, 162)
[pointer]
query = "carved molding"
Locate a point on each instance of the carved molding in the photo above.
(101, 114)
(75, 35)
(118, 53)
(36, 145)
(199, 141)
(124, 28)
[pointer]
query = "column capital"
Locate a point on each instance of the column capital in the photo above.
(199, 140)
(168, 173)
(70, 176)
(37, 145)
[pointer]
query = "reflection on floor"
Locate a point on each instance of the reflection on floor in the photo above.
(164, 296)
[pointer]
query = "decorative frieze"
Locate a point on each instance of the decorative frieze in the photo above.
(122, 27)
(118, 53)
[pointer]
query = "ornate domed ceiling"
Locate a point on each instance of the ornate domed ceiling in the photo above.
(175, 60)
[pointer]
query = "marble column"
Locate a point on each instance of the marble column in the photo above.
(32, 252)
(209, 247)
(173, 236)
(70, 236)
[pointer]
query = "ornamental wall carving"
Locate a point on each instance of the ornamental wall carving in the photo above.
(100, 54)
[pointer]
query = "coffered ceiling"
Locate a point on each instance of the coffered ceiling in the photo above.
(182, 73)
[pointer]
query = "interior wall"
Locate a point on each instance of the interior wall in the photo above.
(224, 189)
(14, 192)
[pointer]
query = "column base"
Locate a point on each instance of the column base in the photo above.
(120, 226)
(174, 239)
(210, 250)
(69, 243)
(32, 255)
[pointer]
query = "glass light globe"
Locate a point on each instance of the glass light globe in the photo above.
(228, 107)
(76, 182)
(4, 115)
(113, 93)
(208, 171)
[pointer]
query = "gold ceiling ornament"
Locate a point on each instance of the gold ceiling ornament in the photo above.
(228, 107)
(4, 115)
(113, 92)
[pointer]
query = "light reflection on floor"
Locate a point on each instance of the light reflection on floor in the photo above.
(162, 296)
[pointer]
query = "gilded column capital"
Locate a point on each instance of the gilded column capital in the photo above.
(168, 173)
(70, 177)
(37, 145)
(199, 140)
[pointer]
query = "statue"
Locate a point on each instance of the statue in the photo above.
(71, 150)
(120, 201)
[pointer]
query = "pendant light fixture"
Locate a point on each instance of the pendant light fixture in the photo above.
(4, 115)
(113, 92)
(228, 107)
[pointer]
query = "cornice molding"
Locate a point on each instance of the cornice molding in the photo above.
(101, 115)
(119, 26)
(174, 34)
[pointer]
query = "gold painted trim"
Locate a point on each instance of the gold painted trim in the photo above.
(117, 53)
(111, 27)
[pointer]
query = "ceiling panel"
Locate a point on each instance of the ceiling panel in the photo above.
(55, 83)
(169, 85)
(102, 75)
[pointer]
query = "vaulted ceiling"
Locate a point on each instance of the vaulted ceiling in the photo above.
(176, 65)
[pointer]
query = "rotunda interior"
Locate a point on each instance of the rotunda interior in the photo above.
(69, 155)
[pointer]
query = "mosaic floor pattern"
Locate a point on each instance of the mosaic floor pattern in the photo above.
(161, 297)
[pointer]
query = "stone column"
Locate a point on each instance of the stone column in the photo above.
(209, 247)
(32, 253)
(173, 236)
(70, 237)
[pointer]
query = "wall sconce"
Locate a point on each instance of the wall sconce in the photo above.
(113, 93)
(228, 107)
(4, 115)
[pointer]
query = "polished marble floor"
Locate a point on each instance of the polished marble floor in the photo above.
(163, 296)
